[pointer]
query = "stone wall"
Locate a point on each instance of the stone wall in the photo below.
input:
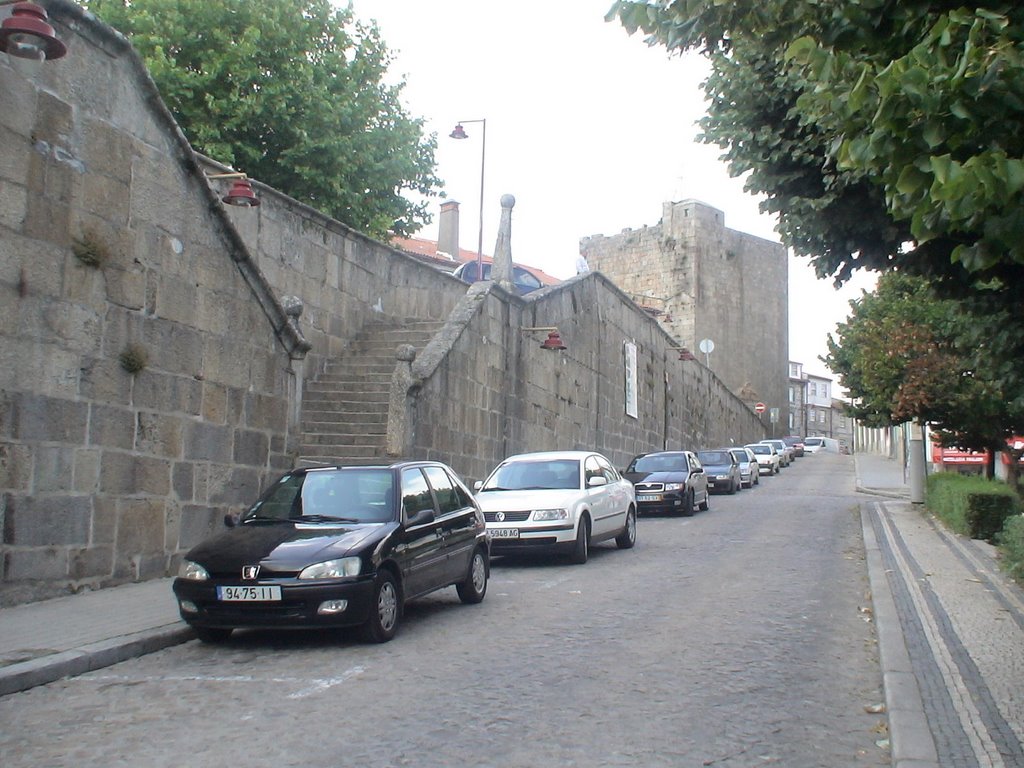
(112, 240)
(485, 389)
(110, 243)
(704, 281)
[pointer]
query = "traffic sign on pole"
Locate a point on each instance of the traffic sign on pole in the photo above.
(759, 407)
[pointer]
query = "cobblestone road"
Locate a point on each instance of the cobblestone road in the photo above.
(735, 638)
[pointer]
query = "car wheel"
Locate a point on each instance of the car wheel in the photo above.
(706, 504)
(212, 634)
(385, 610)
(688, 504)
(473, 589)
(627, 538)
(732, 487)
(581, 550)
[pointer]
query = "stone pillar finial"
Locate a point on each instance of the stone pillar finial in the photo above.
(501, 271)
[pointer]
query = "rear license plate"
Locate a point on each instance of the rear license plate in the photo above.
(248, 594)
(648, 498)
(504, 533)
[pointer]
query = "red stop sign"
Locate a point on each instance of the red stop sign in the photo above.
(759, 407)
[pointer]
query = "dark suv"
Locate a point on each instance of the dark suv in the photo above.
(669, 482)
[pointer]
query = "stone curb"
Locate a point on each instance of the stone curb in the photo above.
(910, 737)
(46, 669)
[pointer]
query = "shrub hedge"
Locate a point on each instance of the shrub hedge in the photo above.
(1011, 544)
(981, 509)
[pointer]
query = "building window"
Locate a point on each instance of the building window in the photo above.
(814, 389)
(792, 394)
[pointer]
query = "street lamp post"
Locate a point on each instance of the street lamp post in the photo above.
(460, 133)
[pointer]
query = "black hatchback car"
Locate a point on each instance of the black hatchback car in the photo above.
(338, 546)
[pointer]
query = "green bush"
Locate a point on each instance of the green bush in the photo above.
(971, 505)
(1011, 544)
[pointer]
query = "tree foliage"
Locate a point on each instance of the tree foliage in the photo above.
(906, 354)
(908, 111)
(884, 135)
(291, 92)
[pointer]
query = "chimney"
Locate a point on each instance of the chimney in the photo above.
(448, 229)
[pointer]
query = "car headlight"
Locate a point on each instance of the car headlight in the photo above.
(333, 569)
(551, 514)
(674, 486)
(192, 571)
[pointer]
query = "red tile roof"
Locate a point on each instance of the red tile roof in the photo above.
(427, 250)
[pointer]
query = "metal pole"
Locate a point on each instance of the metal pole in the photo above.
(480, 237)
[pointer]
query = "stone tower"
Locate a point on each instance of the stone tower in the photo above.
(703, 281)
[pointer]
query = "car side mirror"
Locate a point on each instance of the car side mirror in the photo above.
(597, 480)
(478, 485)
(231, 519)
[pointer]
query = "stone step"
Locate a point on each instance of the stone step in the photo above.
(357, 370)
(342, 452)
(352, 385)
(343, 438)
(312, 419)
(342, 397)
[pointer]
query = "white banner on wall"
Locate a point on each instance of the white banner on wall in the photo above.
(629, 350)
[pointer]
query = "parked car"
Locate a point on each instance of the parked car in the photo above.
(562, 501)
(796, 443)
(768, 459)
(750, 470)
(338, 546)
(722, 470)
(814, 444)
(669, 482)
(524, 280)
(784, 451)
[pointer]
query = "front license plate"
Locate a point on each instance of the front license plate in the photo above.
(648, 498)
(248, 594)
(504, 533)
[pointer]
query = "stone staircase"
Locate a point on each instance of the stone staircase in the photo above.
(345, 409)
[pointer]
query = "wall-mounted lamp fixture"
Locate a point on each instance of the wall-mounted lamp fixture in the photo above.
(241, 193)
(25, 34)
(684, 353)
(554, 339)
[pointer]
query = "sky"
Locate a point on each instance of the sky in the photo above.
(589, 128)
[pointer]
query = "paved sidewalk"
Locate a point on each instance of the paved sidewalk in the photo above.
(45, 641)
(950, 629)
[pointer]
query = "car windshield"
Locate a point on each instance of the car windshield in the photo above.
(659, 462)
(714, 457)
(358, 495)
(812, 441)
(762, 449)
(535, 475)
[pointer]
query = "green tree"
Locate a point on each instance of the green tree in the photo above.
(291, 92)
(884, 135)
(905, 354)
